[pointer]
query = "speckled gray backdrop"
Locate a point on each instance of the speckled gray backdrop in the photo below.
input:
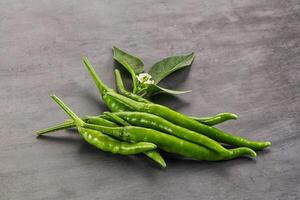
(247, 61)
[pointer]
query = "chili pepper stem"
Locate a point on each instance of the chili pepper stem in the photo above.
(58, 127)
(122, 90)
(99, 83)
(79, 122)
(103, 89)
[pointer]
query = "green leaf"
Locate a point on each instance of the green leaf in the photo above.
(154, 89)
(133, 64)
(165, 67)
(130, 62)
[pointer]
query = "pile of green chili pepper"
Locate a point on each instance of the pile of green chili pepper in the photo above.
(136, 125)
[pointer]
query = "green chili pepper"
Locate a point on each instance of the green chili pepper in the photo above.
(153, 154)
(170, 143)
(105, 142)
(148, 120)
(185, 121)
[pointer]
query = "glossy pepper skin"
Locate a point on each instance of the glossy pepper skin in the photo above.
(148, 120)
(107, 143)
(104, 142)
(184, 121)
(151, 138)
(228, 154)
(170, 143)
(153, 154)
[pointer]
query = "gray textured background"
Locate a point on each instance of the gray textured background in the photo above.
(247, 61)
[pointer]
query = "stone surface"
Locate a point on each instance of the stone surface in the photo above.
(247, 62)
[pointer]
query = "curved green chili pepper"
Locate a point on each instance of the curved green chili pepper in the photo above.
(105, 142)
(148, 120)
(153, 154)
(185, 121)
(170, 143)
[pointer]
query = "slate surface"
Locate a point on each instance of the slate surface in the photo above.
(248, 55)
